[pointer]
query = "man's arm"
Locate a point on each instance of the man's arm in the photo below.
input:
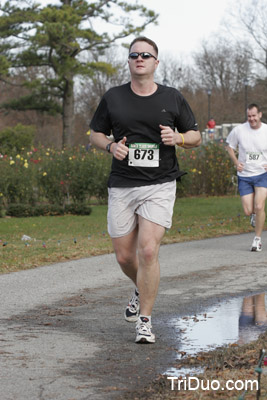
(187, 140)
(99, 139)
(239, 166)
(191, 139)
(119, 150)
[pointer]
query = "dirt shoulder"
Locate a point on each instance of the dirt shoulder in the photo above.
(235, 364)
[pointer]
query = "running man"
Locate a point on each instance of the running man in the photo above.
(250, 140)
(147, 121)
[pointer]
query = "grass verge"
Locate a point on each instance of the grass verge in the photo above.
(62, 238)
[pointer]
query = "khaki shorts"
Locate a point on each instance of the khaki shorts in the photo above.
(153, 202)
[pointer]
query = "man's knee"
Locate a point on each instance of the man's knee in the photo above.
(248, 211)
(148, 253)
(124, 259)
(259, 207)
(248, 207)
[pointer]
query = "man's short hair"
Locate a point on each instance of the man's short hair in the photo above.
(254, 105)
(147, 40)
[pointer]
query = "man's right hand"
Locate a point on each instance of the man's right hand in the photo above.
(119, 150)
(239, 167)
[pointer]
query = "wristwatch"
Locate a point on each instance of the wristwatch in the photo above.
(108, 146)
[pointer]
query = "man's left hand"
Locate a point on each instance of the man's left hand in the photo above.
(168, 136)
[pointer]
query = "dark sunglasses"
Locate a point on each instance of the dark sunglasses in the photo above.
(144, 55)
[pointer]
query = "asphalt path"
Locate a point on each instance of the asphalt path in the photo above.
(62, 331)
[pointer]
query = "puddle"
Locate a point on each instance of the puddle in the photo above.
(182, 373)
(238, 320)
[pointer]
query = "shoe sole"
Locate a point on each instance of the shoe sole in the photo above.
(133, 318)
(255, 249)
(144, 340)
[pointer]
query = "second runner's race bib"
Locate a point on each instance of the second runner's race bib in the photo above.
(143, 155)
(254, 157)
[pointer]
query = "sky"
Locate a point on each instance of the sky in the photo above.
(183, 24)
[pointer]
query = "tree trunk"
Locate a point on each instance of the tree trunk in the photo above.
(68, 115)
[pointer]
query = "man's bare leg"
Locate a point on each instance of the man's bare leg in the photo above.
(259, 206)
(126, 253)
(148, 275)
(248, 203)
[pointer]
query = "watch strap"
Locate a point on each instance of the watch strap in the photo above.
(108, 146)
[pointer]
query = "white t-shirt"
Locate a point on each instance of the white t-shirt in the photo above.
(252, 148)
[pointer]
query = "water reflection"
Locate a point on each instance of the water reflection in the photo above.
(253, 316)
(239, 320)
(234, 321)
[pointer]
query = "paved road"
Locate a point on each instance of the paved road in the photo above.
(62, 333)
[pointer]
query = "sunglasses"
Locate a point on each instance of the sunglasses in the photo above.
(144, 55)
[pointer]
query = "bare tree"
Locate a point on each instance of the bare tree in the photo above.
(249, 18)
(223, 67)
(170, 72)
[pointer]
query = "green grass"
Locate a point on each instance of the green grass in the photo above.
(69, 237)
(205, 217)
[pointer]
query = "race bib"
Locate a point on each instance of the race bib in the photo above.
(254, 157)
(143, 155)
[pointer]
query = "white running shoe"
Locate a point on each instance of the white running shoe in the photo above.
(253, 220)
(143, 331)
(256, 244)
(132, 311)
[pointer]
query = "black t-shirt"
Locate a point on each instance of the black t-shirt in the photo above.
(121, 112)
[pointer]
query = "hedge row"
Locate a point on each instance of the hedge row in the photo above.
(76, 176)
(210, 171)
(47, 176)
(25, 210)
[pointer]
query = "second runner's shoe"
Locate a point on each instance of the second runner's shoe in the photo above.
(256, 244)
(253, 220)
